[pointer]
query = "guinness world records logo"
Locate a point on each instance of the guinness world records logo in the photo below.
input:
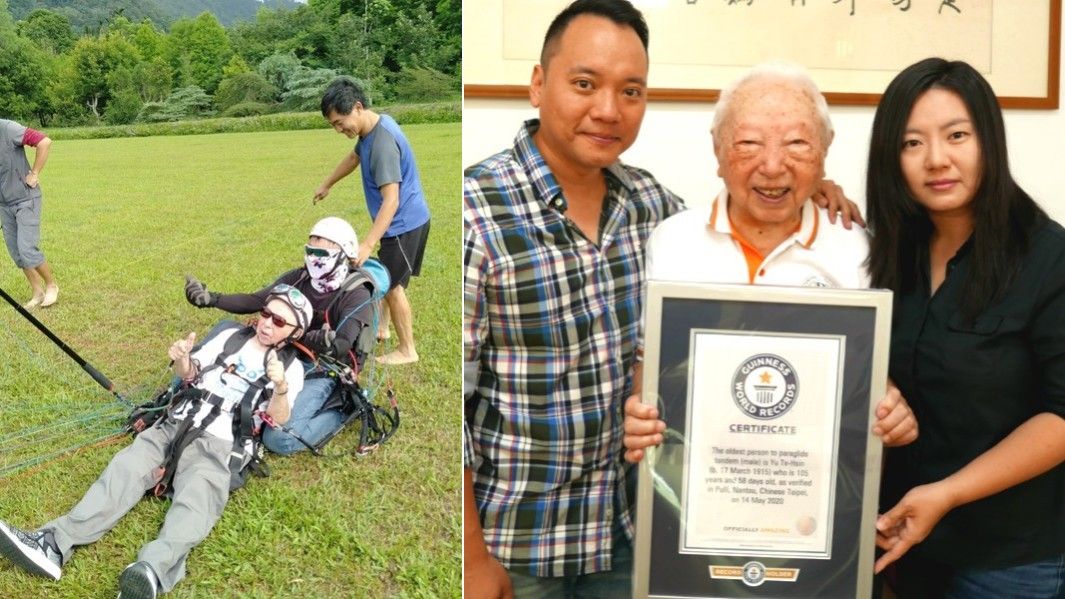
(765, 386)
(753, 574)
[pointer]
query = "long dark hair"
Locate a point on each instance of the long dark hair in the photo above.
(1005, 218)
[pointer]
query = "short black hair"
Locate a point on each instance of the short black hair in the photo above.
(341, 95)
(619, 11)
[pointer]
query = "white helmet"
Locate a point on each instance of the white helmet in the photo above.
(338, 231)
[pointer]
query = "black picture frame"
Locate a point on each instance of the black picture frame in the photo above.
(674, 313)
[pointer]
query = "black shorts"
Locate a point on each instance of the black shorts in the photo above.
(402, 254)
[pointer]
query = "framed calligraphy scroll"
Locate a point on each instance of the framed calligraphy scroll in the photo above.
(852, 48)
(766, 483)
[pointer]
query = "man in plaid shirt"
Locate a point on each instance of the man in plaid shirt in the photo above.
(554, 235)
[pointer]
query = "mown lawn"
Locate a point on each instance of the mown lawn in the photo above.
(124, 220)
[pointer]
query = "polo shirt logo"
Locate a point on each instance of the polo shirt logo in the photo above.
(765, 386)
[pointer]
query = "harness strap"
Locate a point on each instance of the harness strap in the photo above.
(357, 277)
(243, 430)
(186, 433)
(243, 425)
(232, 345)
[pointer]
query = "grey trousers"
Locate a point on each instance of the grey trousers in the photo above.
(22, 232)
(201, 490)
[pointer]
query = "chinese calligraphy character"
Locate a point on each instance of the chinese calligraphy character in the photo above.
(852, 5)
(948, 4)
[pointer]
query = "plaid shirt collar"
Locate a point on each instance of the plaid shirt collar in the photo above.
(545, 187)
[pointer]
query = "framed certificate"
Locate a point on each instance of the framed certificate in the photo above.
(767, 482)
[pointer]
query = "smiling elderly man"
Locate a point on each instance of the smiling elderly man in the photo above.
(771, 134)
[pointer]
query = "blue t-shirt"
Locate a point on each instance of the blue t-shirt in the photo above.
(386, 157)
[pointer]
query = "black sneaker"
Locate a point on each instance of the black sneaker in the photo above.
(34, 552)
(138, 581)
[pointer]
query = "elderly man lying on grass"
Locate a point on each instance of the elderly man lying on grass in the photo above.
(200, 449)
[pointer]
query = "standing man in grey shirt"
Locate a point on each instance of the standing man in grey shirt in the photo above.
(20, 207)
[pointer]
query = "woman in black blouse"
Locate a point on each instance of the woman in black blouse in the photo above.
(977, 348)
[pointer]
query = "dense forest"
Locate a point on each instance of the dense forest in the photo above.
(84, 62)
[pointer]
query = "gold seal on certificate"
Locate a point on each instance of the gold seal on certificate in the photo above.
(806, 525)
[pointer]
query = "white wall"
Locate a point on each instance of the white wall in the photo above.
(674, 144)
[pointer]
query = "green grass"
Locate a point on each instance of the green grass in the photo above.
(405, 114)
(124, 219)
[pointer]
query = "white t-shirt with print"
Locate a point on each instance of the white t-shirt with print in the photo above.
(248, 364)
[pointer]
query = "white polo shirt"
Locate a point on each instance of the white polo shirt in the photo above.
(698, 246)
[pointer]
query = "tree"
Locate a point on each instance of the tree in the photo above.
(412, 39)
(448, 17)
(92, 17)
(351, 51)
(301, 32)
(23, 71)
(235, 66)
(244, 87)
(305, 88)
(279, 69)
(118, 24)
(19, 8)
(148, 40)
(399, 48)
(93, 59)
(125, 101)
(7, 24)
(153, 79)
(185, 103)
(203, 43)
(420, 84)
(51, 31)
(228, 12)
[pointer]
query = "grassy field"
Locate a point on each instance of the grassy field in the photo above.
(444, 111)
(124, 220)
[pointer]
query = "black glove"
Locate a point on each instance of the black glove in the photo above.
(197, 294)
(320, 341)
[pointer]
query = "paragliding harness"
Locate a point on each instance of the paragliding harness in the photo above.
(349, 397)
(378, 423)
(247, 454)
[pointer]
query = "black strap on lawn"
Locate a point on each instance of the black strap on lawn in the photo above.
(95, 374)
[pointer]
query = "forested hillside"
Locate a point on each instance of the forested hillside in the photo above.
(85, 62)
(228, 12)
(89, 15)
